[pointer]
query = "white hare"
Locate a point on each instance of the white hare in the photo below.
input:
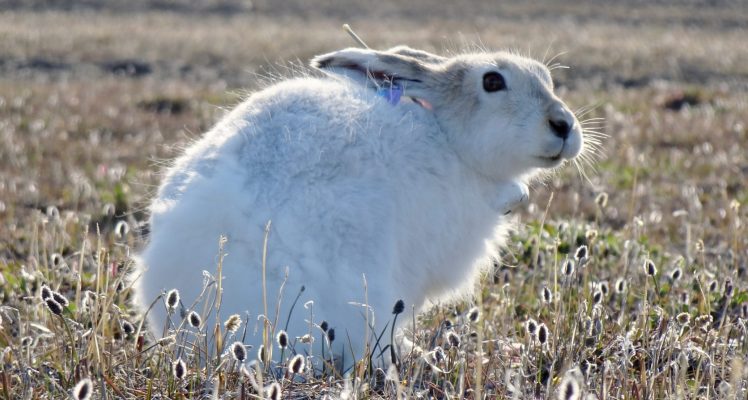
(409, 193)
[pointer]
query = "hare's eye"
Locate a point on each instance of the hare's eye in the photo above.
(493, 82)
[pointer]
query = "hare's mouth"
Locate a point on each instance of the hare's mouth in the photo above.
(551, 161)
(557, 156)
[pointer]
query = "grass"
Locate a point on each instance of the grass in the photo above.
(81, 147)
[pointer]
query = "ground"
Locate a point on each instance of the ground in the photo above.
(95, 96)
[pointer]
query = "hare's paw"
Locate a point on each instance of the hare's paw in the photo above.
(510, 196)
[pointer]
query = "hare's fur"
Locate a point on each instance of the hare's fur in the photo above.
(370, 202)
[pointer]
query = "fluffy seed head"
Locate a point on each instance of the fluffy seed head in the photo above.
(729, 288)
(601, 200)
(604, 287)
(546, 295)
(127, 328)
(331, 335)
(238, 351)
(296, 365)
(56, 260)
(621, 286)
(581, 254)
(704, 321)
(650, 268)
(567, 268)
(261, 353)
(53, 306)
(121, 229)
(282, 339)
(453, 339)
(83, 390)
(232, 323)
(569, 389)
(59, 298)
(399, 307)
(194, 319)
(179, 369)
(597, 297)
(531, 326)
(53, 213)
(539, 262)
(172, 299)
(473, 314)
(676, 274)
(542, 334)
(683, 318)
(274, 391)
(45, 292)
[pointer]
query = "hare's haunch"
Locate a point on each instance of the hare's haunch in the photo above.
(395, 169)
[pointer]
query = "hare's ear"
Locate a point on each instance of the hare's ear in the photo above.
(377, 68)
(424, 56)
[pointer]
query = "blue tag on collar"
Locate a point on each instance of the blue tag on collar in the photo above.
(392, 93)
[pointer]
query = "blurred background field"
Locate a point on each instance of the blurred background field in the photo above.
(93, 92)
(95, 95)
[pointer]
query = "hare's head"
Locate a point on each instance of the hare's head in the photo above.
(498, 110)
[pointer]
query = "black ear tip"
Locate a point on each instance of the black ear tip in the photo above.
(320, 62)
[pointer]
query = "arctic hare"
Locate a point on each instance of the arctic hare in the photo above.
(395, 169)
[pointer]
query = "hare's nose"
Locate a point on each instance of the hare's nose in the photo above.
(560, 127)
(561, 120)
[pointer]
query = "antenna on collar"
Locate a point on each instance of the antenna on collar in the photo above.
(355, 37)
(394, 92)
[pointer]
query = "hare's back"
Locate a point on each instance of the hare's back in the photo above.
(322, 127)
(306, 136)
(307, 153)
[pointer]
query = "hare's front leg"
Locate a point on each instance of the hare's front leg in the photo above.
(509, 196)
